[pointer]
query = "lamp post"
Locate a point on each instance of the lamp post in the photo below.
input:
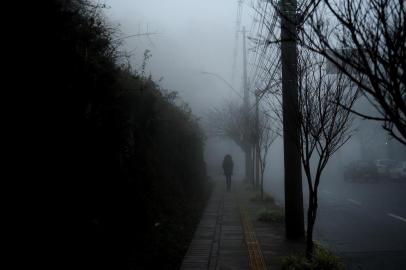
(224, 81)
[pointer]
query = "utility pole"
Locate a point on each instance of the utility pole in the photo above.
(237, 28)
(257, 146)
(294, 217)
(247, 139)
(245, 82)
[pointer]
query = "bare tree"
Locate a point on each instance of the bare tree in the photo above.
(325, 120)
(366, 41)
(230, 122)
(233, 121)
(325, 124)
(266, 137)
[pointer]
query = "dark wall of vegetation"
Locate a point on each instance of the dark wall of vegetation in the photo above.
(124, 159)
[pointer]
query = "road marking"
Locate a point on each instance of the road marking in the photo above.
(354, 201)
(326, 191)
(397, 217)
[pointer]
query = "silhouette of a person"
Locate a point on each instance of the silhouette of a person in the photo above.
(228, 170)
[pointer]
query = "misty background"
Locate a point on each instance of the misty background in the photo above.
(128, 163)
(188, 37)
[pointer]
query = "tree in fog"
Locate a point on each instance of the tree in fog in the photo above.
(266, 136)
(229, 121)
(325, 124)
(324, 120)
(233, 122)
(366, 41)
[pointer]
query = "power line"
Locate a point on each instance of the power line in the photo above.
(236, 38)
(265, 55)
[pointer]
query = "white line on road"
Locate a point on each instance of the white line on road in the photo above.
(397, 217)
(354, 201)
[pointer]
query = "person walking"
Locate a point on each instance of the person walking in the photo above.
(228, 170)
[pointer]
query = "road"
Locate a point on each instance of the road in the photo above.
(365, 223)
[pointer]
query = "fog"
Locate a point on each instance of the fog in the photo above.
(140, 104)
(154, 138)
(189, 37)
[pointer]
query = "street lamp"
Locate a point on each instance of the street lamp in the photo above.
(224, 81)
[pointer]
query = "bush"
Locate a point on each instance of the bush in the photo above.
(323, 260)
(267, 198)
(248, 188)
(256, 198)
(296, 262)
(126, 156)
(271, 215)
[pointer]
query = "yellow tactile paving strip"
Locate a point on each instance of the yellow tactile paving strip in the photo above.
(256, 259)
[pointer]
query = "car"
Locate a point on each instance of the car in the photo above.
(383, 166)
(360, 171)
(398, 172)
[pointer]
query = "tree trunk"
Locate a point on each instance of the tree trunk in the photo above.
(248, 162)
(253, 155)
(311, 218)
(257, 165)
(262, 185)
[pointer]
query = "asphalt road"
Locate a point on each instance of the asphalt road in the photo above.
(365, 223)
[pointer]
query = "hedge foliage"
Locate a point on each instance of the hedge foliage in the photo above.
(125, 157)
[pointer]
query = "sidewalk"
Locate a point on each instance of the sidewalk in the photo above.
(230, 237)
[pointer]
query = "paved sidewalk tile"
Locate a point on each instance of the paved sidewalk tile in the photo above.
(218, 243)
(229, 236)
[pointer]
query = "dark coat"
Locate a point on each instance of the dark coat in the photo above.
(228, 165)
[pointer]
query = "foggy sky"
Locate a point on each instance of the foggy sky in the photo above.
(193, 36)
